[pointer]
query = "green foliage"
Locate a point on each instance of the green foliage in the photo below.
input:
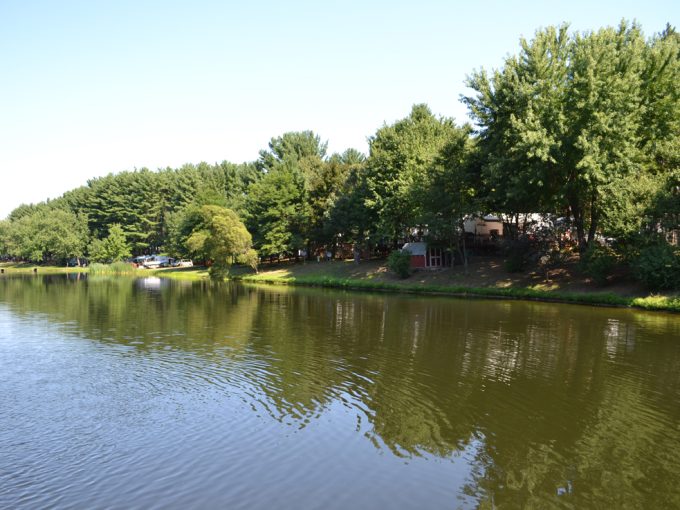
(305, 215)
(132, 199)
(218, 272)
(5, 236)
(581, 123)
(323, 183)
(97, 268)
(450, 191)
(599, 263)
(44, 233)
(145, 203)
(399, 168)
(113, 248)
(249, 258)
(517, 253)
(625, 203)
(117, 268)
(667, 303)
(180, 225)
(21, 211)
(217, 234)
(658, 267)
(292, 146)
(399, 262)
(348, 218)
(278, 211)
(660, 128)
(663, 212)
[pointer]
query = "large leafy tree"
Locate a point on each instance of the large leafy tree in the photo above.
(663, 215)
(520, 114)
(113, 248)
(303, 155)
(660, 126)
(298, 145)
(348, 218)
(46, 233)
(451, 191)
(399, 164)
(5, 232)
(278, 211)
(568, 123)
(219, 235)
(132, 200)
(324, 188)
(604, 107)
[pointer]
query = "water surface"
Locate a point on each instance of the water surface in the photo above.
(148, 393)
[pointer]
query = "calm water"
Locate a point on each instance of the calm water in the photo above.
(157, 394)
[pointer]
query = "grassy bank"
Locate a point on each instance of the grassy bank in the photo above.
(178, 273)
(189, 273)
(115, 269)
(125, 269)
(668, 303)
(26, 268)
(486, 279)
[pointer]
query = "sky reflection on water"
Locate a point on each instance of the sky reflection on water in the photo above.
(122, 393)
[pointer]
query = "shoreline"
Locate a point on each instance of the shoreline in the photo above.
(321, 277)
(600, 299)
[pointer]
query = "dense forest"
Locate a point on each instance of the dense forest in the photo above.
(579, 126)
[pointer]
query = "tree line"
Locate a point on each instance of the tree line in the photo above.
(583, 126)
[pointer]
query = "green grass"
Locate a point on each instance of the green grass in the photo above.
(652, 302)
(117, 268)
(657, 303)
(27, 268)
(179, 273)
(666, 303)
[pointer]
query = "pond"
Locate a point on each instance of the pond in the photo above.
(150, 393)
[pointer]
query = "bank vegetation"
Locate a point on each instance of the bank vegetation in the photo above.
(574, 146)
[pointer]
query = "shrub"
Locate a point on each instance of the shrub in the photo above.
(517, 254)
(658, 267)
(599, 262)
(117, 268)
(218, 272)
(249, 258)
(400, 263)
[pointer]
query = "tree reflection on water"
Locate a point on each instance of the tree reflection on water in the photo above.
(549, 404)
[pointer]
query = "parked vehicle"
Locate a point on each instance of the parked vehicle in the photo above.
(139, 261)
(182, 263)
(156, 261)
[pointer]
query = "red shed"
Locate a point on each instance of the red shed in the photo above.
(426, 257)
(418, 253)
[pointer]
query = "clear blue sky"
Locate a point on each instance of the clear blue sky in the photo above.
(95, 87)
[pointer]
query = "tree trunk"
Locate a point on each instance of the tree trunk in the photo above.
(594, 217)
(464, 247)
(577, 213)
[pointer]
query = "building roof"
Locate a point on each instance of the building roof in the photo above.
(491, 217)
(415, 248)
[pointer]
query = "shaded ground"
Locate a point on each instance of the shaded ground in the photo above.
(483, 271)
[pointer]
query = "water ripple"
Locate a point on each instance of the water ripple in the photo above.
(241, 398)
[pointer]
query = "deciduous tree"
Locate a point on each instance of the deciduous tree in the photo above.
(401, 156)
(113, 248)
(219, 235)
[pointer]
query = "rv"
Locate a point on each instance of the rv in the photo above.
(157, 261)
